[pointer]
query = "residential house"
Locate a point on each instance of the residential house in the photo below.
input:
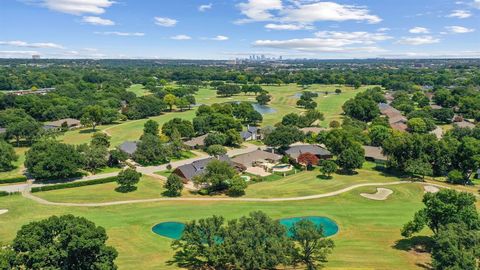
(69, 123)
(250, 159)
(128, 147)
(464, 124)
(197, 142)
(251, 134)
(188, 171)
(297, 149)
(374, 153)
(395, 118)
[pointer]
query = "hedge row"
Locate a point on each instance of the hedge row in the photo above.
(5, 193)
(74, 184)
(18, 179)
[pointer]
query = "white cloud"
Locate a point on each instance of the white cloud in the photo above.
(43, 45)
(274, 26)
(476, 4)
(420, 40)
(460, 14)
(203, 8)
(165, 22)
(383, 29)
(181, 37)
(259, 10)
(122, 34)
(459, 29)
(97, 21)
(78, 7)
(220, 38)
(16, 54)
(419, 30)
(330, 41)
(303, 12)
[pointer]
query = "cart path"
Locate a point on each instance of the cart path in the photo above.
(29, 195)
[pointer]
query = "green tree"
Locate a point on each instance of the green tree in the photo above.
(217, 175)
(256, 242)
(7, 156)
(173, 185)
(116, 157)
(151, 127)
(417, 125)
(264, 98)
(418, 167)
(455, 177)
(185, 127)
(312, 247)
(233, 138)
(237, 186)
(92, 116)
(170, 100)
(27, 129)
(456, 247)
(284, 136)
(93, 157)
(443, 208)
(127, 180)
(378, 134)
(327, 167)
(64, 242)
(50, 159)
(216, 150)
(100, 139)
(351, 158)
(151, 151)
(361, 108)
(215, 138)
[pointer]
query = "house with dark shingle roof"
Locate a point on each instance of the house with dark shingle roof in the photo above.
(67, 122)
(249, 159)
(251, 134)
(188, 171)
(395, 118)
(296, 150)
(128, 147)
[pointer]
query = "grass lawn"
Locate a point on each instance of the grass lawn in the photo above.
(307, 183)
(369, 230)
(138, 90)
(17, 172)
(148, 187)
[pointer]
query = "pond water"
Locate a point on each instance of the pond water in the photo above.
(174, 230)
(263, 109)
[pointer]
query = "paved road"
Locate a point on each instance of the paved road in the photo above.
(149, 170)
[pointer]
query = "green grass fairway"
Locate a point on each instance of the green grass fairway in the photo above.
(368, 232)
(309, 183)
(17, 172)
(138, 90)
(148, 187)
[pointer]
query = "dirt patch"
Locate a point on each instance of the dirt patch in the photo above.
(381, 194)
(431, 189)
(3, 211)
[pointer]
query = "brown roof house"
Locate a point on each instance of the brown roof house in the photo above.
(249, 159)
(69, 123)
(197, 142)
(374, 153)
(188, 171)
(395, 118)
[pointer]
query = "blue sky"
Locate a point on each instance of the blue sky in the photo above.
(209, 29)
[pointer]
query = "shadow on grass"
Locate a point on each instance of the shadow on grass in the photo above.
(125, 189)
(324, 177)
(87, 131)
(420, 244)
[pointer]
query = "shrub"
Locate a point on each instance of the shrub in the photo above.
(74, 184)
(18, 179)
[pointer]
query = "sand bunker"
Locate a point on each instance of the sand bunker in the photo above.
(380, 195)
(431, 189)
(3, 211)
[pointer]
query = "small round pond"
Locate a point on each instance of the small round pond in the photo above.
(174, 230)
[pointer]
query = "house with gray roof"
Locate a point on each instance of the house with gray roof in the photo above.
(188, 171)
(374, 153)
(251, 134)
(128, 147)
(395, 118)
(249, 159)
(296, 150)
(67, 122)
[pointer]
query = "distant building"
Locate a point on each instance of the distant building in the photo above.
(128, 147)
(464, 124)
(36, 57)
(249, 159)
(41, 91)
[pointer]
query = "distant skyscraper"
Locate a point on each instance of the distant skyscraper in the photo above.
(35, 57)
